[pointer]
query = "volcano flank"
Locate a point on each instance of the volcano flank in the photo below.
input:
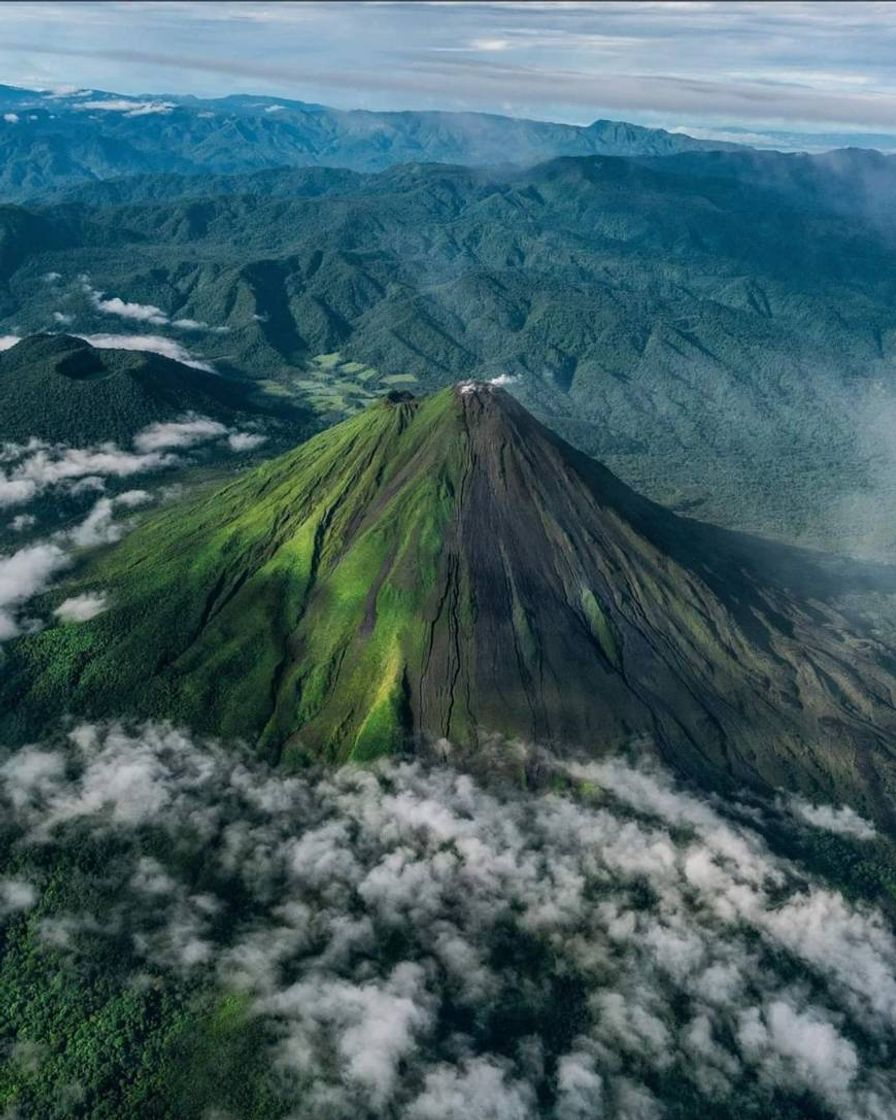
(448, 568)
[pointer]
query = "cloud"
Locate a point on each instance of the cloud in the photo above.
(24, 574)
(245, 441)
(99, 526)
(81, 608)
(489, 45)
(22, 521)
(478, 1088)
(36, 467)
(141, 312)
(150, 343)
(7, 341)
(11, 118)
(28, 470)
(843, 821)
(756, 64)
(419, 944)
(129, 108)
(183, 433)
(16, 895)
(61, 317)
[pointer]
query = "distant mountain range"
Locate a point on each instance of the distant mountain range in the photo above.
(720, 327)
(49, 140)
(448, 569)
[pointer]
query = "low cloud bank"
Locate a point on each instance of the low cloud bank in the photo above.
(128, 108)
(151, 343)
(422, 947)
(141, 312)
(24, 574)
(28, 470)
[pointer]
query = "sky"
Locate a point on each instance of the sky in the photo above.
(701, 66)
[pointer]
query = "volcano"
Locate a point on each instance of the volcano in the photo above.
(448, 568)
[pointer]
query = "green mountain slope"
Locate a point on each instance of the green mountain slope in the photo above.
(683, 325)
(63, 390)
(448, 568)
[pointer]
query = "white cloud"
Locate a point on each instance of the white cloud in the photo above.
(150, 343)
(489, 45)
(54, 93)
(81, 608)
(100, 526)
(7, 341)
(24, 574)
(11, 118)
(385, 915)
(28, 470)
(245, 441)
(22, 521)
(16, 491)
(39, 466)
(16, 895)
(129, 108)
(478, 1088)
(51, 277)
(61, 317)
(274, 108)
(182, 433)
(843, 821)
(141, 312)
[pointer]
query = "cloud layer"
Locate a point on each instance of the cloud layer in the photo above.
(31, 471)
(423, 947)
(735, 63)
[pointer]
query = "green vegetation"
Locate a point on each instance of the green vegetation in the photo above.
(89, 1031)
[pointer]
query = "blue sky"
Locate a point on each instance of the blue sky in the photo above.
(793, 66)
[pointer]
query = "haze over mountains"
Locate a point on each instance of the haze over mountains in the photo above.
(51, 139)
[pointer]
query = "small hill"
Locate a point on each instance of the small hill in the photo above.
(63, 390)
(448, 568)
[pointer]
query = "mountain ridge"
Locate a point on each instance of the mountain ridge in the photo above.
(58, 139)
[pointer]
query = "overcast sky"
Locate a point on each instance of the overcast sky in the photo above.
(812, 66)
